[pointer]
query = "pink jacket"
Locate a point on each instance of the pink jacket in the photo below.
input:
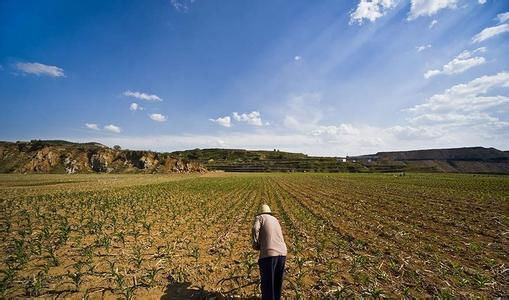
(268, 236)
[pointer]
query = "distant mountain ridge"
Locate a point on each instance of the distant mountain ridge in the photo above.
(56, 156)
(466, 153)
(457, 160)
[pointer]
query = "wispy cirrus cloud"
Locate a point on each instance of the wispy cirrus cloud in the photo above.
(181, 5)
(341, 129)
(142, 96)
(423, 47)
(39, 69)
(503, 17)
(464, 61)
(489, 32)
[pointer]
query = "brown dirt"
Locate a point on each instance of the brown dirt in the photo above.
(188, 236)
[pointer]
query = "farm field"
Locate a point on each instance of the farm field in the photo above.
(188, 236)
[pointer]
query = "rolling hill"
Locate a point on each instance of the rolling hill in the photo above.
(54, 156)
(457, 160)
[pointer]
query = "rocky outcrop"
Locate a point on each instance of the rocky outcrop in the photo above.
(43, 161)
(65, 157)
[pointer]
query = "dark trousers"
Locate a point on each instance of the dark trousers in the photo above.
(272, 270)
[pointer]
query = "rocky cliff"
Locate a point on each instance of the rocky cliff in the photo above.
(66, 157)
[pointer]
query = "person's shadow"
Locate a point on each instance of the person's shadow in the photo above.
(184, 291)
(178, 291)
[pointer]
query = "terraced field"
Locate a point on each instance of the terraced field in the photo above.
(145, 236)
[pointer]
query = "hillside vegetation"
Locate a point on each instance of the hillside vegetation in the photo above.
(239, 160)
(458, 160)
(66, 157)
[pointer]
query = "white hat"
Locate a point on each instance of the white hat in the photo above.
(265, 209)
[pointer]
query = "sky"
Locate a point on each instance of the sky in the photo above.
(331, 77)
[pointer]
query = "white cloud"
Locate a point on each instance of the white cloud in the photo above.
(481, 1)
(224, 121)
(40, 69)
(415, 132)
(142, 96)
(490, 32)
(158, 117)
(297, 58)
(92, 126)
(292, 122)
(463, 115)
(252, 118)
(181, 5)
(463, 93)
(423, 47)
(342, 129)
(305, 118)
(303, 112)
(432, 24)
(371, 10)
(460, 63)
(135, 106)
(503, 17)
(112, 128)
(431, 73)
(368, 140)
(283, 141)
(464, 104)
(429, 7)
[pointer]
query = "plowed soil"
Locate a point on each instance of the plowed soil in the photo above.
(188, 236)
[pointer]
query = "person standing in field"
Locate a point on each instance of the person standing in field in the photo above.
(268, 239)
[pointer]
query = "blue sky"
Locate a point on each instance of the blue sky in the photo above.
(321, 77)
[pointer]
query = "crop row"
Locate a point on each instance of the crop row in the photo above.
(347, 235)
